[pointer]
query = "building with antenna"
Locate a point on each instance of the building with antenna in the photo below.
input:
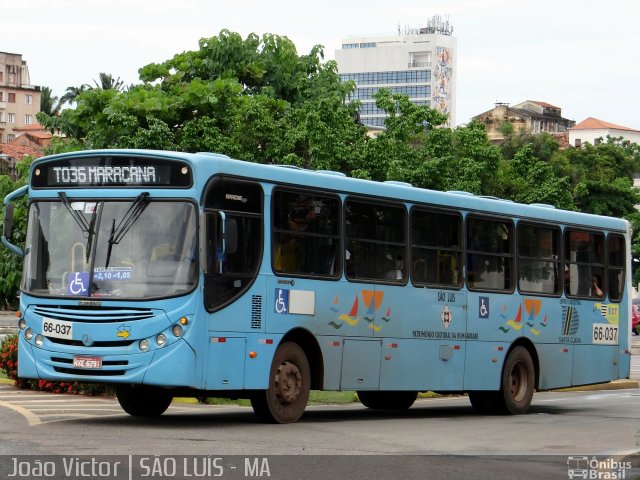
(418, 62)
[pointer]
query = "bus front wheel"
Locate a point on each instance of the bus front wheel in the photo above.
(286, 397)
(143, 400)
(399, 400)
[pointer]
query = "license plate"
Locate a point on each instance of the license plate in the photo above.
(57, 328)
(87, 362)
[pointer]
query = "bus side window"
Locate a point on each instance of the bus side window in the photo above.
(376, 240)
(305, 233)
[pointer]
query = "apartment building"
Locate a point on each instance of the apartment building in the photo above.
(19, 100)
(529, 116)
(420, 63)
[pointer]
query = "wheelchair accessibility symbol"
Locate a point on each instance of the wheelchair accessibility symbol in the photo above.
(281, 301)
(78, 283)
(483, 307)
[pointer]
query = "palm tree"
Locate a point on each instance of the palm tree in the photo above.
(72, 93)
(48, 103)
(107, 82)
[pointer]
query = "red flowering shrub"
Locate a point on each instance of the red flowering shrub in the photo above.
(9, 356)
(9, 363)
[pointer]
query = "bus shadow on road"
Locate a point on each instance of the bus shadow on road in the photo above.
(206, 417)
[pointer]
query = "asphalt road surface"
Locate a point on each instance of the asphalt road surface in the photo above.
(440, 436)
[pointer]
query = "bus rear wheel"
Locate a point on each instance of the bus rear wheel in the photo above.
(143, 400)
(397, 400)
(286, 397)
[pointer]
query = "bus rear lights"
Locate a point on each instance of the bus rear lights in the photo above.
(177, 330)
(253, 354)
(161, 340)
(28, 334)
(39, 340)
(22, 324)
(144, 345)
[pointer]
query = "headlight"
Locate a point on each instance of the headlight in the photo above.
(177, 330)
(22, 323)
(28, 334)
(161, 340)
(144, 345)
(39, 340)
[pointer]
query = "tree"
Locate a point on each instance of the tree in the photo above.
(107, 82)
(528, 179)
(71, 93)
(254, 99)
(10, 263)
(49, 104)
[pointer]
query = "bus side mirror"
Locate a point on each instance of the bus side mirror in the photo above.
(7, 227)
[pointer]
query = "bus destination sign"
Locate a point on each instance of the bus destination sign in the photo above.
(111, 172)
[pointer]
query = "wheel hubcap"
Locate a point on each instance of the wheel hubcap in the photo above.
(288, 383)
(518, 381)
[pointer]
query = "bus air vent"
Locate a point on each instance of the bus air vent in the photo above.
(542, 205)
(256, 311)
(400, 184)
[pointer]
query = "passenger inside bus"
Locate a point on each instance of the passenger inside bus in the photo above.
(596, 291)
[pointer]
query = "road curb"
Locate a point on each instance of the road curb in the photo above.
(615, 385)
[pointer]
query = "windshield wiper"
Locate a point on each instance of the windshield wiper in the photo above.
(130, 217)
(88, 228)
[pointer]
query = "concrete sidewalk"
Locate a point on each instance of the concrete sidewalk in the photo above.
(8, 322)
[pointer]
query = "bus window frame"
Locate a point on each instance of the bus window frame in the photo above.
(559, 261)
(383, 202)
(567, 263)
(609, 268)
(339, 267)
(460, 250)
(467, 252)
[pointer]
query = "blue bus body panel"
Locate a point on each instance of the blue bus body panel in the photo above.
(370, 335)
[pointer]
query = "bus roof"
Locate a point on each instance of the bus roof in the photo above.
(207, 164)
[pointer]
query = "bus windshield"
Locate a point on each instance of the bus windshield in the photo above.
(126, 249)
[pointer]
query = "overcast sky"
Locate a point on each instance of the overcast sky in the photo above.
(580, 55)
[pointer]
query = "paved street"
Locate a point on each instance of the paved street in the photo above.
(8, 323)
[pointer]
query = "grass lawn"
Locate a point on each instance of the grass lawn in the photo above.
(2, 375)
(315, 397)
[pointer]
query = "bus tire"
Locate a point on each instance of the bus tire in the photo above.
(395, 400)
(286, 397)
(143, 400)
(518, 382)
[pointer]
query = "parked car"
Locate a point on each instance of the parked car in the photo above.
(635, 318)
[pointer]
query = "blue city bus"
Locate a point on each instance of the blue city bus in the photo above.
(170, 274)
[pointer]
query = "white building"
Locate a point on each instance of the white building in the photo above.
(420, 63)
(591, 130)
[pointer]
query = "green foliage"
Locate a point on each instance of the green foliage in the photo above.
(257, 99)
(49, 104)
(527, 179)
(10, 263)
